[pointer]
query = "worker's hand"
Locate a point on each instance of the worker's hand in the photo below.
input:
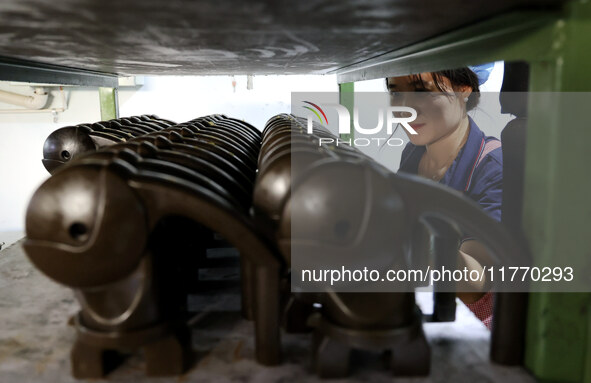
(471, 251)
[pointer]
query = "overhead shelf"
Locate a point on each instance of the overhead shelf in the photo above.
(153, 37)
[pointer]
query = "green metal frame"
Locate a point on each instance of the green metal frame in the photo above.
(558, 346)
(109, 103)
(557, 208)
(347, 99)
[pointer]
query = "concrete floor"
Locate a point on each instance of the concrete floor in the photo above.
(35, 341)
(7, 238)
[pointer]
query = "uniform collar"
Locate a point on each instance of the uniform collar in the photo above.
(459, 174)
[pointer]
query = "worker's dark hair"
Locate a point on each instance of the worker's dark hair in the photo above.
(458, 77)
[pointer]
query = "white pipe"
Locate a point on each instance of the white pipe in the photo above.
(19, 111)
(36, 101)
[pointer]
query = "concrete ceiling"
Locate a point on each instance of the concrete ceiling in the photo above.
(173, 37)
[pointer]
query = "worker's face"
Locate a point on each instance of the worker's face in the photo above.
(438, 113)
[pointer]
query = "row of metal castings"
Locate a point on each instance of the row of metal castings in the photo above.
(104, 225)
(287, 182)
(68, 142)
(344, 209)
(216, 155)
(221, 154)
(287, 149)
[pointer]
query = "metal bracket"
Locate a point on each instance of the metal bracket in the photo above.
(12, 69)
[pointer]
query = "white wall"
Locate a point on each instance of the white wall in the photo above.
(21, 148)
(185, 98)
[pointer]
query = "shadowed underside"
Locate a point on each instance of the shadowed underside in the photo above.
(231, 37)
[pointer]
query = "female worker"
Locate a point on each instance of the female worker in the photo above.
(449, 148)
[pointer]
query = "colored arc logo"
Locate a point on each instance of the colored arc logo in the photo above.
(315, 112)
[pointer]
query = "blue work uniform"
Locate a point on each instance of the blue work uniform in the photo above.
(477, 170)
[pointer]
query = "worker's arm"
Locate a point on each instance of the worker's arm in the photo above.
(471, 255)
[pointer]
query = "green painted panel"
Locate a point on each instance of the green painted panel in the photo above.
(347, 99)
(557, 211)
(109, 103)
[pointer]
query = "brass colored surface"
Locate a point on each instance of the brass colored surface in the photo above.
(69, 142)
(127, 226)
(101, 225)
(334, 206)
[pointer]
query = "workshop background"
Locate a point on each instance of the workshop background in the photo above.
(234, 66)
